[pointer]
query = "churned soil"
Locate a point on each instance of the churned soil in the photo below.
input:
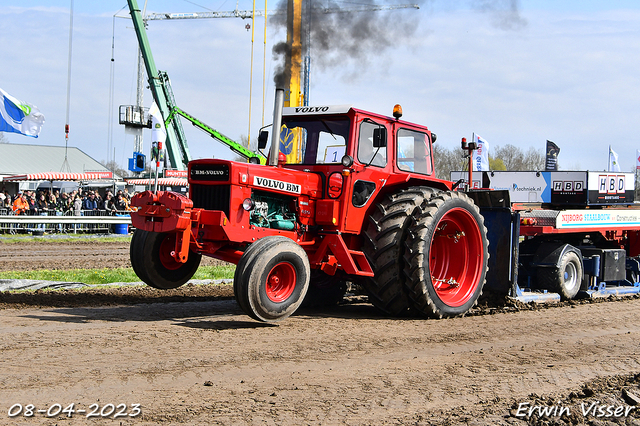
(191, 356)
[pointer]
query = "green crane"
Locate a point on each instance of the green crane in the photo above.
(176, 144)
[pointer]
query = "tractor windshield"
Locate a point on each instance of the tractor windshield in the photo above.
(320, 140)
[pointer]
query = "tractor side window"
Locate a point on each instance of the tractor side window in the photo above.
(362, 191)
(316, 140)
(414, 154)
(366, 151)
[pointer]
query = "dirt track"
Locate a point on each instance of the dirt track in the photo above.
(81, 253)
(196, 359)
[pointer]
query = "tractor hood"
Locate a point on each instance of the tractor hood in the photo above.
(267, 178)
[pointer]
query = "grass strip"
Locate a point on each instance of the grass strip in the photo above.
(110, 275)
(15, 239)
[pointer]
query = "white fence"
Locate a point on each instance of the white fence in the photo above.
(87, 221)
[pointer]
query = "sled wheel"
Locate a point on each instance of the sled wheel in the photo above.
(273, 282)
(136, 253)
(447, 256)
(384, 237)
(324, 290)
(159, 269)
(566, 279)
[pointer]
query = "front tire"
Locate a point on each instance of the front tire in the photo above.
(158, 268)
(274, 279)
(447, 256)
(239, 277)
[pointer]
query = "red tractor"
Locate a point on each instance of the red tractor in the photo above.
(362, 205)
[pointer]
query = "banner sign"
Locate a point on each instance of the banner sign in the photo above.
(559, 188)
(598, 218)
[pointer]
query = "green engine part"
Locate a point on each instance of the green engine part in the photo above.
(272, 211)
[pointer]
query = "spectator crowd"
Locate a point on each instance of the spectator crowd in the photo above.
(54, 203)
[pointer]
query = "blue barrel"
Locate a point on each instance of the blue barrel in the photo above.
(121, 228)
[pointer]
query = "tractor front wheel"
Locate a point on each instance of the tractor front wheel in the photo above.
(154, 263)
(272, 281)
(446, 256)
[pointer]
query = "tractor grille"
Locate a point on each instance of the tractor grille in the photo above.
(211, 197)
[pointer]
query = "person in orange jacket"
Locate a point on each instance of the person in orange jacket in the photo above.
(20, 205)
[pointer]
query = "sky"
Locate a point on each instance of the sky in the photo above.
(513, 71)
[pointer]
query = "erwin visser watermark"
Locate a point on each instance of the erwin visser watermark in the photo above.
(593, 409)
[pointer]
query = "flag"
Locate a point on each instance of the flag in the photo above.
(637, 158)
(481, 156)
(614, 166)
(19, 117)
(551, 164)
(158, 135)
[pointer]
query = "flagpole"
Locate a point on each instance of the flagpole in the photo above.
(473, 140)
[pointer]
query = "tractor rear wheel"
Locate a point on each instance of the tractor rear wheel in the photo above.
(274, 279)
(446, 256)
(158, 268)
(384, 243)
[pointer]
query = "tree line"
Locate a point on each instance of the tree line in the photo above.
(508, 157)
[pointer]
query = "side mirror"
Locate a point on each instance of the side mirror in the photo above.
(380, 137)
(263, 137)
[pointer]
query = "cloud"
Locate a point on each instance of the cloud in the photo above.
(566, 76)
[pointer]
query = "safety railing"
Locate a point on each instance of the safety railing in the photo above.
(51, 221)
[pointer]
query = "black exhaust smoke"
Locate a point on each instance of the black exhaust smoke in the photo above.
(360, 32)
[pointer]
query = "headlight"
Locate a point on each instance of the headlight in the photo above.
(347, 161)
(248, 204)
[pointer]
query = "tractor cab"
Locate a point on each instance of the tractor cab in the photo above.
(357, 155)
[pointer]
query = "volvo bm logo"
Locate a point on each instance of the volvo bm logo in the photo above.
(216, 172)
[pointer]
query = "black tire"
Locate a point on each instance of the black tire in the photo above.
(158, 269)
(565, 279)
(274, 282)
(384, 244)
(446, 256)
(136, 253)
(241, 269)
(324, 290)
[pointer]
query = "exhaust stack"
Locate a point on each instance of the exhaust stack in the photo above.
(277, 123)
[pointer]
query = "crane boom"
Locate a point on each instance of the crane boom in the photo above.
(248, 14)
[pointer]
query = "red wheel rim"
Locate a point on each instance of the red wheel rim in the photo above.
(281, 282)
(456, 257)
(168, 245)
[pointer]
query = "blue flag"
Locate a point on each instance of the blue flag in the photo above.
(19, 117)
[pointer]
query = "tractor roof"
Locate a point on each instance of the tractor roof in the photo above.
(315, 110)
